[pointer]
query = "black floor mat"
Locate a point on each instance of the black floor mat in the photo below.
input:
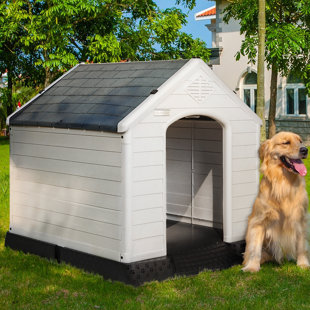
(193, 248)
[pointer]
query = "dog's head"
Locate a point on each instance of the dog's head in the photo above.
(284, 150)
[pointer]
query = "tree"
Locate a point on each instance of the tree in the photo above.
(287, 41)
(261, 67)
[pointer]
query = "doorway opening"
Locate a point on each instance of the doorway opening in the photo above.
(194, 170)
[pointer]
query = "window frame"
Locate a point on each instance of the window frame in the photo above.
(252, 88)
(295, 87)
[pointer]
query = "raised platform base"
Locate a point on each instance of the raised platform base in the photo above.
(181, 260)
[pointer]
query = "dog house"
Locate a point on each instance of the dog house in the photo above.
(114, 165)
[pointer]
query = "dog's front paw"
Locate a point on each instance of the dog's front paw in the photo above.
(303, 262)
(251, 267)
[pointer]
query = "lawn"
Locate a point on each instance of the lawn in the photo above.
(31, 282)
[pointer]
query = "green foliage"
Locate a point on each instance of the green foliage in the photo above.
(3, 106)
(287, 42)
(58, 34)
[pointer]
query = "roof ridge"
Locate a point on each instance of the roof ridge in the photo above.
(136, 61)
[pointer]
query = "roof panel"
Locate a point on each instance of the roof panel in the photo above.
(109, 109)
(79, 91)
(147, 81)
(49, 99)
(69, 108)
(102, 91)
(131, 91)
(96, 96)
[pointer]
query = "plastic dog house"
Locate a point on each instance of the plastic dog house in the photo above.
(102, 158)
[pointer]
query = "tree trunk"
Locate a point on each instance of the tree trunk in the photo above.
(47, 77)
(260, 66)
(273, 102)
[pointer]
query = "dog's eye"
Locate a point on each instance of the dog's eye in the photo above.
(287, 142)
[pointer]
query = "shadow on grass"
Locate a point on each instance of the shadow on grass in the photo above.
(4, 140)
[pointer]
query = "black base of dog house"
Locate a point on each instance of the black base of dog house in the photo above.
(213, 257)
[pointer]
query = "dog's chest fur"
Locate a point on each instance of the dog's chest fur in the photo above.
(285, 213)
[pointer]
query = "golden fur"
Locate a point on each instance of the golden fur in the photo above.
(277, 226)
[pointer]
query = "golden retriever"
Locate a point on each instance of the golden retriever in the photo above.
(277, 226)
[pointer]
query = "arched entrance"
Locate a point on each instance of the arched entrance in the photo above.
(194, 170)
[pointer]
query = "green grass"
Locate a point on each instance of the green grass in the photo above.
(31, 282)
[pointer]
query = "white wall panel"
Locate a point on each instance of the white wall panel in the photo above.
(240, 215)
(74, 239)
(67, 154)
(66, 188)
(148, 144)
(244, 126)
(68, 181)
(147, 201)
(242, 189)
(247, 138)
(53, 138)
(71, 222)
(245, 151)
(239, 230)
(147, 216)
(146, 247)
(244, 202)
(68, 194)
(68, 167)
(148, 230)
(245, 164)
(147, 187)
(148, 130)
(54, 204)
(148, 173)
(148, 158)
(243, 177)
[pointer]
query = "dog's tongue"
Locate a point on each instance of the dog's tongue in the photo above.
(299, 166)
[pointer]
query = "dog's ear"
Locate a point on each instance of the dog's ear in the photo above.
(264, 149)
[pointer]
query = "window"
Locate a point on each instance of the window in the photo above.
(249, 90)
(296, 96)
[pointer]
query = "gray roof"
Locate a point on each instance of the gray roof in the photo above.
(96, 96)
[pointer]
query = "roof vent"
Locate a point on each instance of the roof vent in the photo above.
(199, 89)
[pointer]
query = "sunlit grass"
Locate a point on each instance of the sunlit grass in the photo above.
(31, 282)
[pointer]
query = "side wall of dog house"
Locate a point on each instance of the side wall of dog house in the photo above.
(66, 188)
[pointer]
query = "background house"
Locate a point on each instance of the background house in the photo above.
(292, 112)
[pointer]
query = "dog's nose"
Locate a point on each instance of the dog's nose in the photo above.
(303, 151)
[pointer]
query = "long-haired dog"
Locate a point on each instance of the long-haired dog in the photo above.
(277, 226)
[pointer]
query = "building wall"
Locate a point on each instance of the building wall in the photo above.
(65, 188)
